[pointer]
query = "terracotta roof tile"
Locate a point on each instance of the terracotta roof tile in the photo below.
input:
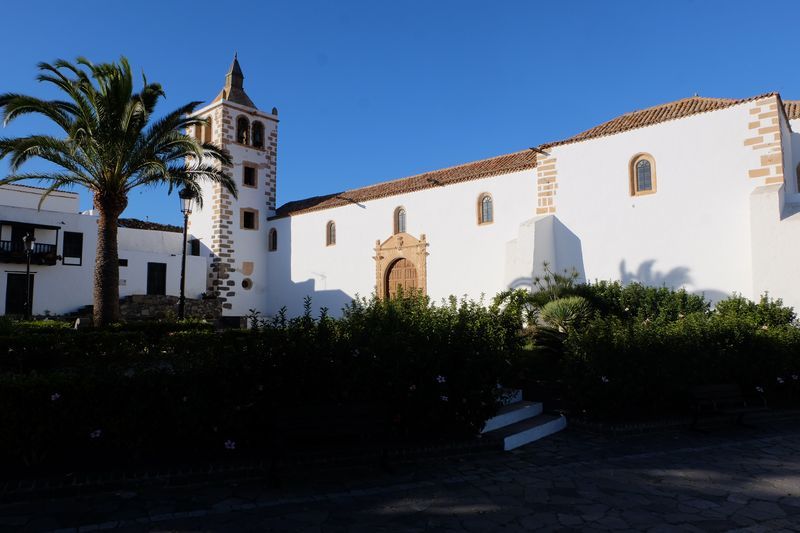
(493, 166)
(792, 109)
(656, 115)
(524, 159)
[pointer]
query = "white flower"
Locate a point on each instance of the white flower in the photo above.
(760, 389)
(627, 309)
(55, 396)
(779, 380)
(230, 444)
(444, 398)
(412, 387)
(765, 327)
(795, 377)
(441, 379)
(604, 379)
(96, 434)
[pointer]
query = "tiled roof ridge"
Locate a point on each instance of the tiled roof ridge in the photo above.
(588, 135)
(390, 187)
(610, 127)
(445, 169)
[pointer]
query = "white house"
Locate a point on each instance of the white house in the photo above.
(62, 259)
(700, 193)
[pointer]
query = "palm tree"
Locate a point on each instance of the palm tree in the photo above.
(110, 144)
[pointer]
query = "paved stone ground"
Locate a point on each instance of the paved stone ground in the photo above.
(721, 480)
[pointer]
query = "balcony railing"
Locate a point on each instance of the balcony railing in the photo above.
(14, 252)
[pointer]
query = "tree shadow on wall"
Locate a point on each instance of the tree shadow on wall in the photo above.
(647, 275)
(675, 278)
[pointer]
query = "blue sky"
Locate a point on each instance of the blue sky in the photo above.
(370, 91)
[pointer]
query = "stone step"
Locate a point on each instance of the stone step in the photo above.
(528, 430)
(511, 414)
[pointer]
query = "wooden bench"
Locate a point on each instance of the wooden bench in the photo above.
(723, 399)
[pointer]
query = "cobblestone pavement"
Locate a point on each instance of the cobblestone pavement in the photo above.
(721, 480)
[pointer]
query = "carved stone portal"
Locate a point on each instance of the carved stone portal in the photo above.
(401, 261)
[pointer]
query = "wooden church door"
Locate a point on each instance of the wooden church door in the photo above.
(401, 276)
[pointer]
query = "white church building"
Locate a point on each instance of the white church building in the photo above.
(700, 193)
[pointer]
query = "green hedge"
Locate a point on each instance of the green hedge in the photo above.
(622, 368)
(637, 301)
(79, 399)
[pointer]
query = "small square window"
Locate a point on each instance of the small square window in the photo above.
(123, 262)
(249, 219)
(249, 179)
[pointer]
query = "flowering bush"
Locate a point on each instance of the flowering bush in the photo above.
(402, 370)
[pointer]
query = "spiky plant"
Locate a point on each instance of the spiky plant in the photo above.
(566, 313)
(110, 144)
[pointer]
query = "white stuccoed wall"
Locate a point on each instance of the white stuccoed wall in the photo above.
(465, 258)
(701, 230)
(21, 196)
(140, 247)
(775, 238)
(249, 245)
(694, 232)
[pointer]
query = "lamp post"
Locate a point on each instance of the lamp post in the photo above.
(187, 201)
(28, 240)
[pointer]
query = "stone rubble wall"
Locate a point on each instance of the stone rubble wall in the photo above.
(148, 307)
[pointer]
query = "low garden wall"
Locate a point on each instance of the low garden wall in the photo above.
(151, 307)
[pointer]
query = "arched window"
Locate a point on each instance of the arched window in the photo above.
(273, 240)
(400, 220)
(485, 209)
(242, 130)
(258, 134)
(642, 175)
(330, 233)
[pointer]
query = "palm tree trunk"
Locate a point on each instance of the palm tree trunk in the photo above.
(106, 267)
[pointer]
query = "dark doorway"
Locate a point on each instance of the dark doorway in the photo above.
(157, 278)
(15, 294)
(18, 233)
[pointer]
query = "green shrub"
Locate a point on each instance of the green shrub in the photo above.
(767, 312)
(566, 313)
(637, 301)
(617, 368)
(79, 399)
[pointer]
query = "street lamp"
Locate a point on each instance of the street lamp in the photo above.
(28, 240)
(187, 202)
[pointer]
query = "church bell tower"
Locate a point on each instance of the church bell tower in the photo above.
(232, 231)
